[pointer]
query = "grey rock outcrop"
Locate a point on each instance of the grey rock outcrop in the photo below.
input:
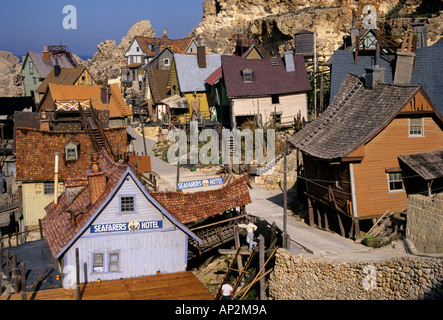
(10, 83)
(109, 57)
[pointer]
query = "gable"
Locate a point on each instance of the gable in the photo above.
(132, 49)
(419, 103)
(144, 211)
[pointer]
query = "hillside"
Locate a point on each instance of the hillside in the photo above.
(274, 22)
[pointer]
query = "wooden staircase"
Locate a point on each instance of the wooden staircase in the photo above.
(95, 132)
(118, 103)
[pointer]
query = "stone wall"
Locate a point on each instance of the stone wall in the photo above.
(425, 223)
(296, 277)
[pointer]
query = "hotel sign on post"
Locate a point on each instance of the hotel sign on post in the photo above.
(200, 183)
(126, 226)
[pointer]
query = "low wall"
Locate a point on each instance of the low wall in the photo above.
(296, 277)
(425, 223)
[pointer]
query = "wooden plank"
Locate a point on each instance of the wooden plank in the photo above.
(172, 286)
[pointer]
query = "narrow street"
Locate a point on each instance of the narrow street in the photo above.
(268, 205)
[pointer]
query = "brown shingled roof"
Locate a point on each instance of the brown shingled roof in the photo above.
(354, 117)
(56, 92)
(192, 207)
(67, 76)
(176, 45)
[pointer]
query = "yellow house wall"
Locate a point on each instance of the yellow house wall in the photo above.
(35, 201)
(87, 81)
(205, 101)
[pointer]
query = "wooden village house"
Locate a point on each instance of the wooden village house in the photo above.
(143, 49)
(37, 65)
(60, 98)
(246, 89)
(79, 76)
(351, 152)
(187, 80)
(118, 229)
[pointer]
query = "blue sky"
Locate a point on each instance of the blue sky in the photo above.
(29, 25)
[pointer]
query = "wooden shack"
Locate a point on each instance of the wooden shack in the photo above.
(118, 228)
(351, 152)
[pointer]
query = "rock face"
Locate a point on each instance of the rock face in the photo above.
(275, 21)
(110, 56)
(10, 84)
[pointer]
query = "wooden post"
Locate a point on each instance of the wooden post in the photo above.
(23, 280)
(77, 266)
(237, 245)
(41, 229)
(8, 263)
(15, 272)
(311, 213)
(261, 261)
(285, 197)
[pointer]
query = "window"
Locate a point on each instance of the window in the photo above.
(127, 204)
(337, 176)
(395, 181)
(97, 262)
(277, 116)
(416, 127)
(113, 262)
(247, 75)
(131, 60)
(137, 49)
(166, 62)
(275, 99)
(48, 188)
(31, 67)
(71, 153)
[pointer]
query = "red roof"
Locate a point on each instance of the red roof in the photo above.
(192, 207)
(269, 76)
(215, 76)
(57, 225)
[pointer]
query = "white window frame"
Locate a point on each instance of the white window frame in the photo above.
(391, 180)
(110, 262)
(422, 128)
(100, 266)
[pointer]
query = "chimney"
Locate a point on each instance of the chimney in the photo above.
(201, 54)
(165, 34)
(375, 74)
(420, 30)
(105, 93)
(355, 32)
(57, 69)
(96, 179)
(405, 62)
(46, 54)
(56, 179)
(289, 60)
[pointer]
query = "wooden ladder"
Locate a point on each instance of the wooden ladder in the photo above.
(241, 272)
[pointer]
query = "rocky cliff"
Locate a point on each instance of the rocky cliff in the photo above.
(10, 84)
(274, 22)
(110, 56)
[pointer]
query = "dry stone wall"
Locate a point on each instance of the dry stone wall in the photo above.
(296, 277)
(425, 223)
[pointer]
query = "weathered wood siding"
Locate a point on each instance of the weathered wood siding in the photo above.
(141, 252)
(289, 106)
(321, 179)
(381, 153)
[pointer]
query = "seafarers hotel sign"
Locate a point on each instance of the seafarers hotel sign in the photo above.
(126, 226)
